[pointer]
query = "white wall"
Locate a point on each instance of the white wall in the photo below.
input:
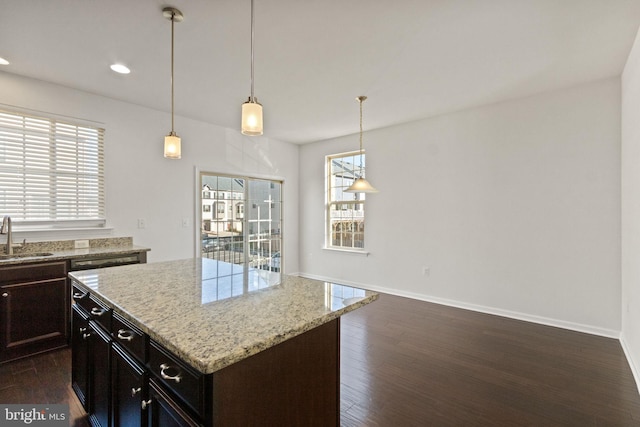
(514, 208)
(141, 183)
(630, 337)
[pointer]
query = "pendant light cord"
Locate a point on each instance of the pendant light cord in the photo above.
(360, 129)
(361, 99)
(173, 15)
(252, 37)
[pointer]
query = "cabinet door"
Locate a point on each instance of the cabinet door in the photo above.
(164, 412)
(34, 317)
(100, 376)
(128, 382)
(80, 355)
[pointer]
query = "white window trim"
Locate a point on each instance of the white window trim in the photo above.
(327, 228)
(347, 250)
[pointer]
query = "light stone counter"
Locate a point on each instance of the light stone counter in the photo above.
(213, 314)
(64, 249)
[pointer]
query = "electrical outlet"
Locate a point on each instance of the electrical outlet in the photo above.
(185, 222)
(426, 271)
(141, 223)
(81, 244)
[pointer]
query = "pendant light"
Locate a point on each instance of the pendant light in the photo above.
(251, 110)
(361, 185)
(172, 149)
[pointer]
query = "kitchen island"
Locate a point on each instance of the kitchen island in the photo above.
(208, 343)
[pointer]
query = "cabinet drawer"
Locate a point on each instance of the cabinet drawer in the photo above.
(182, 380)
(129, 337)
(24, 273)
(97, 310)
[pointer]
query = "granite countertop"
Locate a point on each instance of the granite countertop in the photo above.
(211, 313)
(63, 250)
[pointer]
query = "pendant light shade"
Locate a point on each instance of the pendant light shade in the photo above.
(251, 110)
(172, 142)
(172, 149)
(252, 118)
(361, 185)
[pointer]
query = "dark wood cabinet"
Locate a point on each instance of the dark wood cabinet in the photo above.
(164, 412)
(99, 376)
(90, 362)
(34, 304)
(110, 379)
(129, 389)
(34, 314)
(80, 354)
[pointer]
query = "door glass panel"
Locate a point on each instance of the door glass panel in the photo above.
(264, 218)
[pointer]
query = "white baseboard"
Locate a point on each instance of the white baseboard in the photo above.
(593, 330)
(634, 368)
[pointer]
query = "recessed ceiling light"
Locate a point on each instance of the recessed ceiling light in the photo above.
(119, 68)
(4, 61)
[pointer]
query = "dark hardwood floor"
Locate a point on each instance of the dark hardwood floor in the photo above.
(412, 363)
(41, 379)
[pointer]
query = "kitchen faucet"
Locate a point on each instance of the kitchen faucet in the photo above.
(6, 229)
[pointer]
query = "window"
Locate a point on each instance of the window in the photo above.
(345, 211)
(51, 172)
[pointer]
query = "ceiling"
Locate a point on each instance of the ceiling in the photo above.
(412, 58)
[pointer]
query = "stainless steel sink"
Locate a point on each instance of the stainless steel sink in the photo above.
(25, 255)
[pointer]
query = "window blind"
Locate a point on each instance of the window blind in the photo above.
(50, 171)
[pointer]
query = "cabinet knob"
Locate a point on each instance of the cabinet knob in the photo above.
(85, 336)
(145, 403)
(4, 295)
(135, 391)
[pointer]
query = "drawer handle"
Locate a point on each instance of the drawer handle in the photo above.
(4, 295)
(175, 377)
(82, 330)
(135, 391)
(125, 335)
(85, 336)
(98, 311)
(78, 295)
(145, 403)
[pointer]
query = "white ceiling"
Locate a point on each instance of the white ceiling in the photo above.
(412, 58)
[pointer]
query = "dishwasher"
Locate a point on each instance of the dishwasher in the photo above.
(103, 261)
